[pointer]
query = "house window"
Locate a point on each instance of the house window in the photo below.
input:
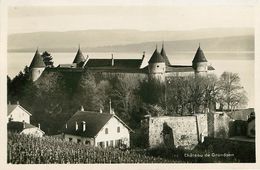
(78, 140)
(106, 131)
(111, 143)
(107, 143)
(101, 144)
(87, 142)
(70, 139)
(118, 142)
(118, 129)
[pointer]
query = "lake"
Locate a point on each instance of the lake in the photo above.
(237, 62)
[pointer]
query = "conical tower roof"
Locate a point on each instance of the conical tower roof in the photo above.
(37, 61)
(79, 57)
(199, 56)
(163, 54)
(156, 57)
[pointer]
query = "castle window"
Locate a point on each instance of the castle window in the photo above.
(106, 131)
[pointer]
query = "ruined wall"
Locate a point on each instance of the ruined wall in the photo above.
(185, 130)
(219, 124)
(202, 121)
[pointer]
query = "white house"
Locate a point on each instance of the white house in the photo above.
(16, 112)
(19, 121)
(97, 129)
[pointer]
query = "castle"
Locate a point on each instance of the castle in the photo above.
(158, 66)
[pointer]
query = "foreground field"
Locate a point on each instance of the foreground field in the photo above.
(23, 149)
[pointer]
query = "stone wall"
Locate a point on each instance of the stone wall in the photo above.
(219, 124)
(184, 131)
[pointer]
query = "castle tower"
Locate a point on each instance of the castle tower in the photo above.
(79, 58)
(200, 63)
(37, 66)
(163, 54)
(157, 66)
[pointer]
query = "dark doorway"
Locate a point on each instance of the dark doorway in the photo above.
(167, 135)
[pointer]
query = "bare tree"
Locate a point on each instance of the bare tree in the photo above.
(232, 95)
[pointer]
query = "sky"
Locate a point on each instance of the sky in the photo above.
(26, 18)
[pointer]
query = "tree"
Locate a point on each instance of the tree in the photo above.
(231, 94)
(47, 58)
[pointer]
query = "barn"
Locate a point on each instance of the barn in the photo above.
(97, 129)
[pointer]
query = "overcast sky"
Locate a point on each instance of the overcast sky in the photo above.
(141, 17)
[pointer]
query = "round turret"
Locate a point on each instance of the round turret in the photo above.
(79, 58)
(37, 66)
(157, 66)
(199, 62)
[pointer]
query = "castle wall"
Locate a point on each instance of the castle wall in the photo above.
(186, 130)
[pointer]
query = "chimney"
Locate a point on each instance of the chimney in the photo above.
(23, 124)
(112, 111)
(110, 107)
(39, 125)
(100, 110)
(83, 126)
(112, 60)
(143, 55)
(17, 103)
(81, 108)
(77, 126)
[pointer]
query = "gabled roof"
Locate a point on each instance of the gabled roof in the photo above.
(79, 57)
(18, 126)
(199, 56)
(156, 57)
(11, 107)
(37, 61)
(95, 121)
(163, 54)
(130, 63)
(98, 63)
(179, 68)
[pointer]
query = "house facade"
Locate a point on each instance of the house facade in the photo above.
(19, 121)
(97, 129)
(15, 112)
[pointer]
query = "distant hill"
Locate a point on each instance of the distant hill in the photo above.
(238, 43)
(103, 40)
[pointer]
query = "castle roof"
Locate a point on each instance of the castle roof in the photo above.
(156, 57)
(199, 56)
(163, 54)
(79, 57)
(95, 121)
(118, 63)
(37, 61)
